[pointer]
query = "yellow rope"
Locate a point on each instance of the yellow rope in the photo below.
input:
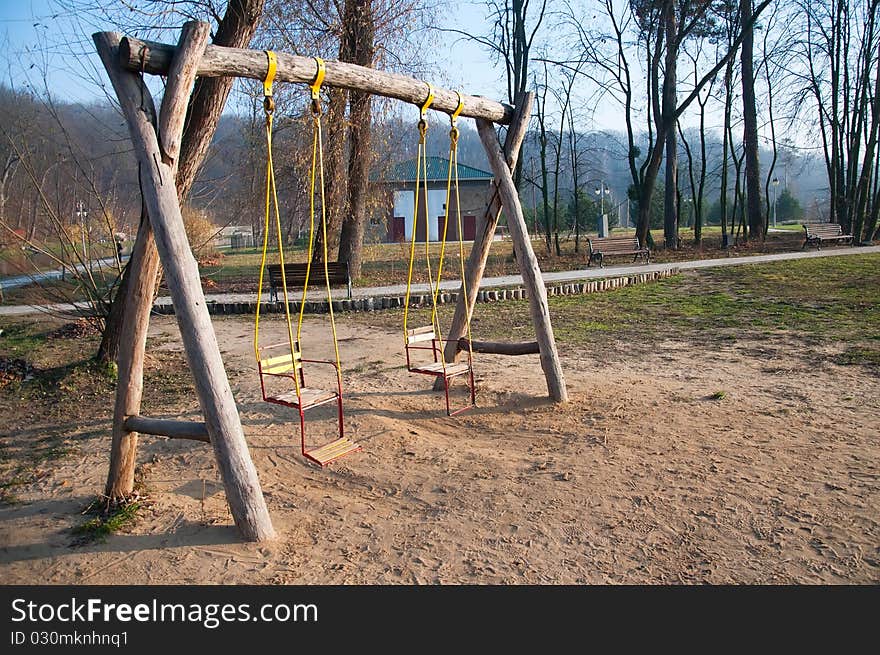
(464, 287)
(453, 167)
(316, 175)
(421, 163)
(269, 108)
(272, 196)
(265, 250)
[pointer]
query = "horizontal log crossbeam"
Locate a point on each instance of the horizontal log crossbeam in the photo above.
(218, 61)
(161, 427)
(500, 347)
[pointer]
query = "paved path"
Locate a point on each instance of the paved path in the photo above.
(512, 280)
(7, 283)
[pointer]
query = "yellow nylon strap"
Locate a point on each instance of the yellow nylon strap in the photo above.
(265, 239)
(421, 164)
(319, 79)
(428, 101)
(268, 107)
(316, 176)
(272, 197)
(454, 117)
(464, 287)
(270, 73)
(412, 247)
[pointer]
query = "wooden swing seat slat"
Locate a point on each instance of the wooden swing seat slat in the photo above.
(333, 450)
(436, 368)
(281, 364)
(308, 396)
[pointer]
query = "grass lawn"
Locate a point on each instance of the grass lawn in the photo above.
(814, 300)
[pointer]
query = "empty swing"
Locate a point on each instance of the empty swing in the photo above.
(285, 360)
(417, 338)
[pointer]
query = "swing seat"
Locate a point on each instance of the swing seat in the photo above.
(308, 397)
(332, 451)
(290, 366)
(437, 368)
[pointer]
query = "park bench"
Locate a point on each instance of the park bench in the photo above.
(296, 276)
(601, 248)
(816, 233)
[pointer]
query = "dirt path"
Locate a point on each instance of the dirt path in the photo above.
(642, 478)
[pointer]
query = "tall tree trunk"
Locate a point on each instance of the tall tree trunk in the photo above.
(670, 103)
(335, 179)
(701, 188)
(8, 170)
(235, 30)
(556, 170)
(359, 21)
(726, 145)
(750, 126)
(540, 109)
(108, 349)
(575, 179)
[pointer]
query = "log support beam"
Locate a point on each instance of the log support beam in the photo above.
(243, 492)
(528, 263)
(218, 61)
(499, 347)
(161, 427)
(485, 234)
(144, 268)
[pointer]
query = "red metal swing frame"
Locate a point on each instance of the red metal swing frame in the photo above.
(289, 365)
(439, 369)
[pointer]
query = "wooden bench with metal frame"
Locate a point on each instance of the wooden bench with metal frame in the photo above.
(816, 233)
(296, 276)
(602, 247)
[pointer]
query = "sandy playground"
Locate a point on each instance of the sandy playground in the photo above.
(642, 478)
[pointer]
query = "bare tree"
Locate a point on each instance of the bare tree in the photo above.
(750, 125)
(515, 26)
(839, 54)
(359, 35)
(698, 181)
(541, 91)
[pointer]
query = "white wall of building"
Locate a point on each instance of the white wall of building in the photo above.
(404, 206)
(436, 199)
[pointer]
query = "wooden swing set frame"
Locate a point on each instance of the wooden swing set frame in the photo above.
(156, 137)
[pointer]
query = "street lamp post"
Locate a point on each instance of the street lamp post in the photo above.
(775, 187)
(81, 213)
(602, 190)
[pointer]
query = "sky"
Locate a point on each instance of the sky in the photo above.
(34, 35)
(24, 23)
(462, 64)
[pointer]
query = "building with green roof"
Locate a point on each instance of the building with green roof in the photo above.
(398, 190)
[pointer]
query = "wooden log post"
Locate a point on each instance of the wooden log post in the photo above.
(237, 470)
(144, 267)
(528, 263)
(485, 234)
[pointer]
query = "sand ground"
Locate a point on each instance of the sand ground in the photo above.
(641, 478)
